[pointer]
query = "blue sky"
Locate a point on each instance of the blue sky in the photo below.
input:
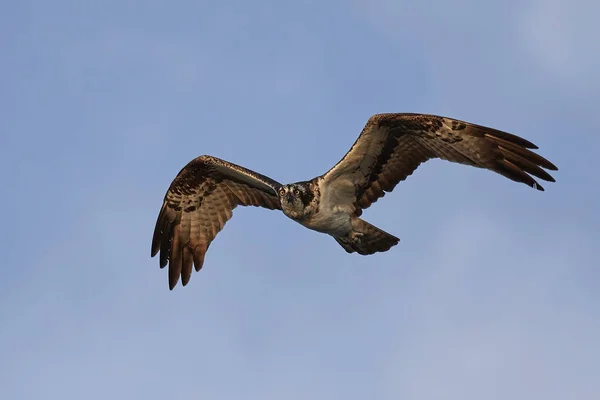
(493, 291)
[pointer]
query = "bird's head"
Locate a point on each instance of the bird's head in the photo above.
(295, 199)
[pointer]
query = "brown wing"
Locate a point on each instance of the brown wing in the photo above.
(392, 146)
(197, 205)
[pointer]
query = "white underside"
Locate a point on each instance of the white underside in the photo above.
(336, 223)
(335, 210)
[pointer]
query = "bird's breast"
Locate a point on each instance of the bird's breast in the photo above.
(335, 223)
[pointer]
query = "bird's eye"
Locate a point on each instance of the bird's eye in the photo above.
(296, 192)
(282, 192)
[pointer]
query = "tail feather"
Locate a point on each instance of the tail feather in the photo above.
(373, 239)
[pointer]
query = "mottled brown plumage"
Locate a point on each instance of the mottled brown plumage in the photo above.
(392, 146)
(196, 207)
(201, 198)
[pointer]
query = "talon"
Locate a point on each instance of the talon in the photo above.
(356, 236)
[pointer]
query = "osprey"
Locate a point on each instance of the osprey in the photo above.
(390, 147)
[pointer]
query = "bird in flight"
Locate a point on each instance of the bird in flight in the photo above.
(390, 147)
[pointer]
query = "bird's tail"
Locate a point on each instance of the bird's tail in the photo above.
(373, 239)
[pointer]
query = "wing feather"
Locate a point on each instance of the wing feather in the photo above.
(392, 146)
(198, 204)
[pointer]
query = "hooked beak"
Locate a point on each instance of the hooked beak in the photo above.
(289, 197)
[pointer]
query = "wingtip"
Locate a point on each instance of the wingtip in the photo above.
(155, 247)
(538, 187)
(531, 145)
(173, 279)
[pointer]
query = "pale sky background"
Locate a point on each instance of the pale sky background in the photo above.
(492, 293)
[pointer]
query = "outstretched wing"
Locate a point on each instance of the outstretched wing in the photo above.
(197, 205)
(392, 146)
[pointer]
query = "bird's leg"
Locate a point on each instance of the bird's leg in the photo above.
(356, 236)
